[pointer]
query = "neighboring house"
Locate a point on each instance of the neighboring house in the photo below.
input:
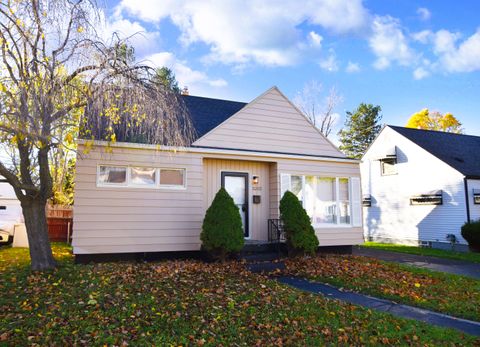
(420, 186)
(146, 198)
(10, 210)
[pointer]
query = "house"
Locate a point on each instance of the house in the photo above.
(10, 211)
(138, 198)
(420, 186)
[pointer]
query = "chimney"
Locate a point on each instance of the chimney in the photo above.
(185, 91)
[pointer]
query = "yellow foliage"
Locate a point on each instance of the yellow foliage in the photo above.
(434, 121)
(69, 138)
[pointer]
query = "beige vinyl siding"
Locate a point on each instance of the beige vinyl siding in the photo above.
(329, 236)
(258, 213)
(124, 219)
(272, 124)
(274, 191)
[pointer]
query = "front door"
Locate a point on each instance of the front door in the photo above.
(236, 184)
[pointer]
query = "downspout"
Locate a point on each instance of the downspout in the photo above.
(467, 201)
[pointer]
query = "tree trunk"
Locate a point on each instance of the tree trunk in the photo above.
(37, 232)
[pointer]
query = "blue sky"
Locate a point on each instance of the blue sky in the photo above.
(401, 55)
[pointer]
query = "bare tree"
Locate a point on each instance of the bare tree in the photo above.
(319, 109)
(57, 74)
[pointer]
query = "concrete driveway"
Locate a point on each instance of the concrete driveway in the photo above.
(457, 267)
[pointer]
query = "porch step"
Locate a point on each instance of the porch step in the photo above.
(262, 257)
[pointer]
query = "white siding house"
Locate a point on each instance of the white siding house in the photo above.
(10, 209)
(137, 198)
(418, 186)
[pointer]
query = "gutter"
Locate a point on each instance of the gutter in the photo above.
(208, 150)
(467, 201)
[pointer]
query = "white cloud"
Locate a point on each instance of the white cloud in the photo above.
(315, 39)
(444, 41)
(389, 43)
(423, 36)
(242, 32)
(424, 13)
(464, 57)
(185, 75)
(138, 36)
(420, 73)
(352, 67)
(330, 63)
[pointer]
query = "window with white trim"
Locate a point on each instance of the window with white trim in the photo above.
(388, 166)
(327, 200)
(172, 177)
(112, 175)
(141, 177)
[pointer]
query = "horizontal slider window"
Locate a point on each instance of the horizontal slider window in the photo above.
(432, 198)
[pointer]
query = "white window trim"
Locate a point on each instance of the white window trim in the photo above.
(129, 184)
(337, 223)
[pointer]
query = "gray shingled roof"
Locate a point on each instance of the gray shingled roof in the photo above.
(462, 152)
(207, 113)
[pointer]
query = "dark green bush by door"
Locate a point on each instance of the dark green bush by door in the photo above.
(222, 230)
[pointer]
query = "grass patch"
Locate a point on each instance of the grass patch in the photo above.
(183, 303)
(451, 294)
(440, 253)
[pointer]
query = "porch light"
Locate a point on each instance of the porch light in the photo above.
(255, 180)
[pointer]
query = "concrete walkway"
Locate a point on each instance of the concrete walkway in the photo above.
(456, 267)
(399, 310)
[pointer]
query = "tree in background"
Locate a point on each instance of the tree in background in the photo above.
(361, 128)
(318, 109)
(435, 121)
(56, 74)
(165, 76)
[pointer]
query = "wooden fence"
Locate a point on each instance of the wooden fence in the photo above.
(60, 223)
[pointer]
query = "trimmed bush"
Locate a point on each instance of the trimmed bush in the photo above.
(300, 234)
(222, 230)
(471, 233)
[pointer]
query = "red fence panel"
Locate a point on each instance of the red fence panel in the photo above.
(60, 229)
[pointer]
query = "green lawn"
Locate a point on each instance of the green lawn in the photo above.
(467, 256)
(452, 294)
(183, 303)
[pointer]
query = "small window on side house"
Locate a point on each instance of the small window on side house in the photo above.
(172, 177)
(112, 175)
(388, 166)
(476, 196)
(432, 198)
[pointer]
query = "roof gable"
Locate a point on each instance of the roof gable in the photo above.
(462, 152)
(270, 123)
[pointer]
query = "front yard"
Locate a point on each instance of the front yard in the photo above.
(183, 303)
(451, 294)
